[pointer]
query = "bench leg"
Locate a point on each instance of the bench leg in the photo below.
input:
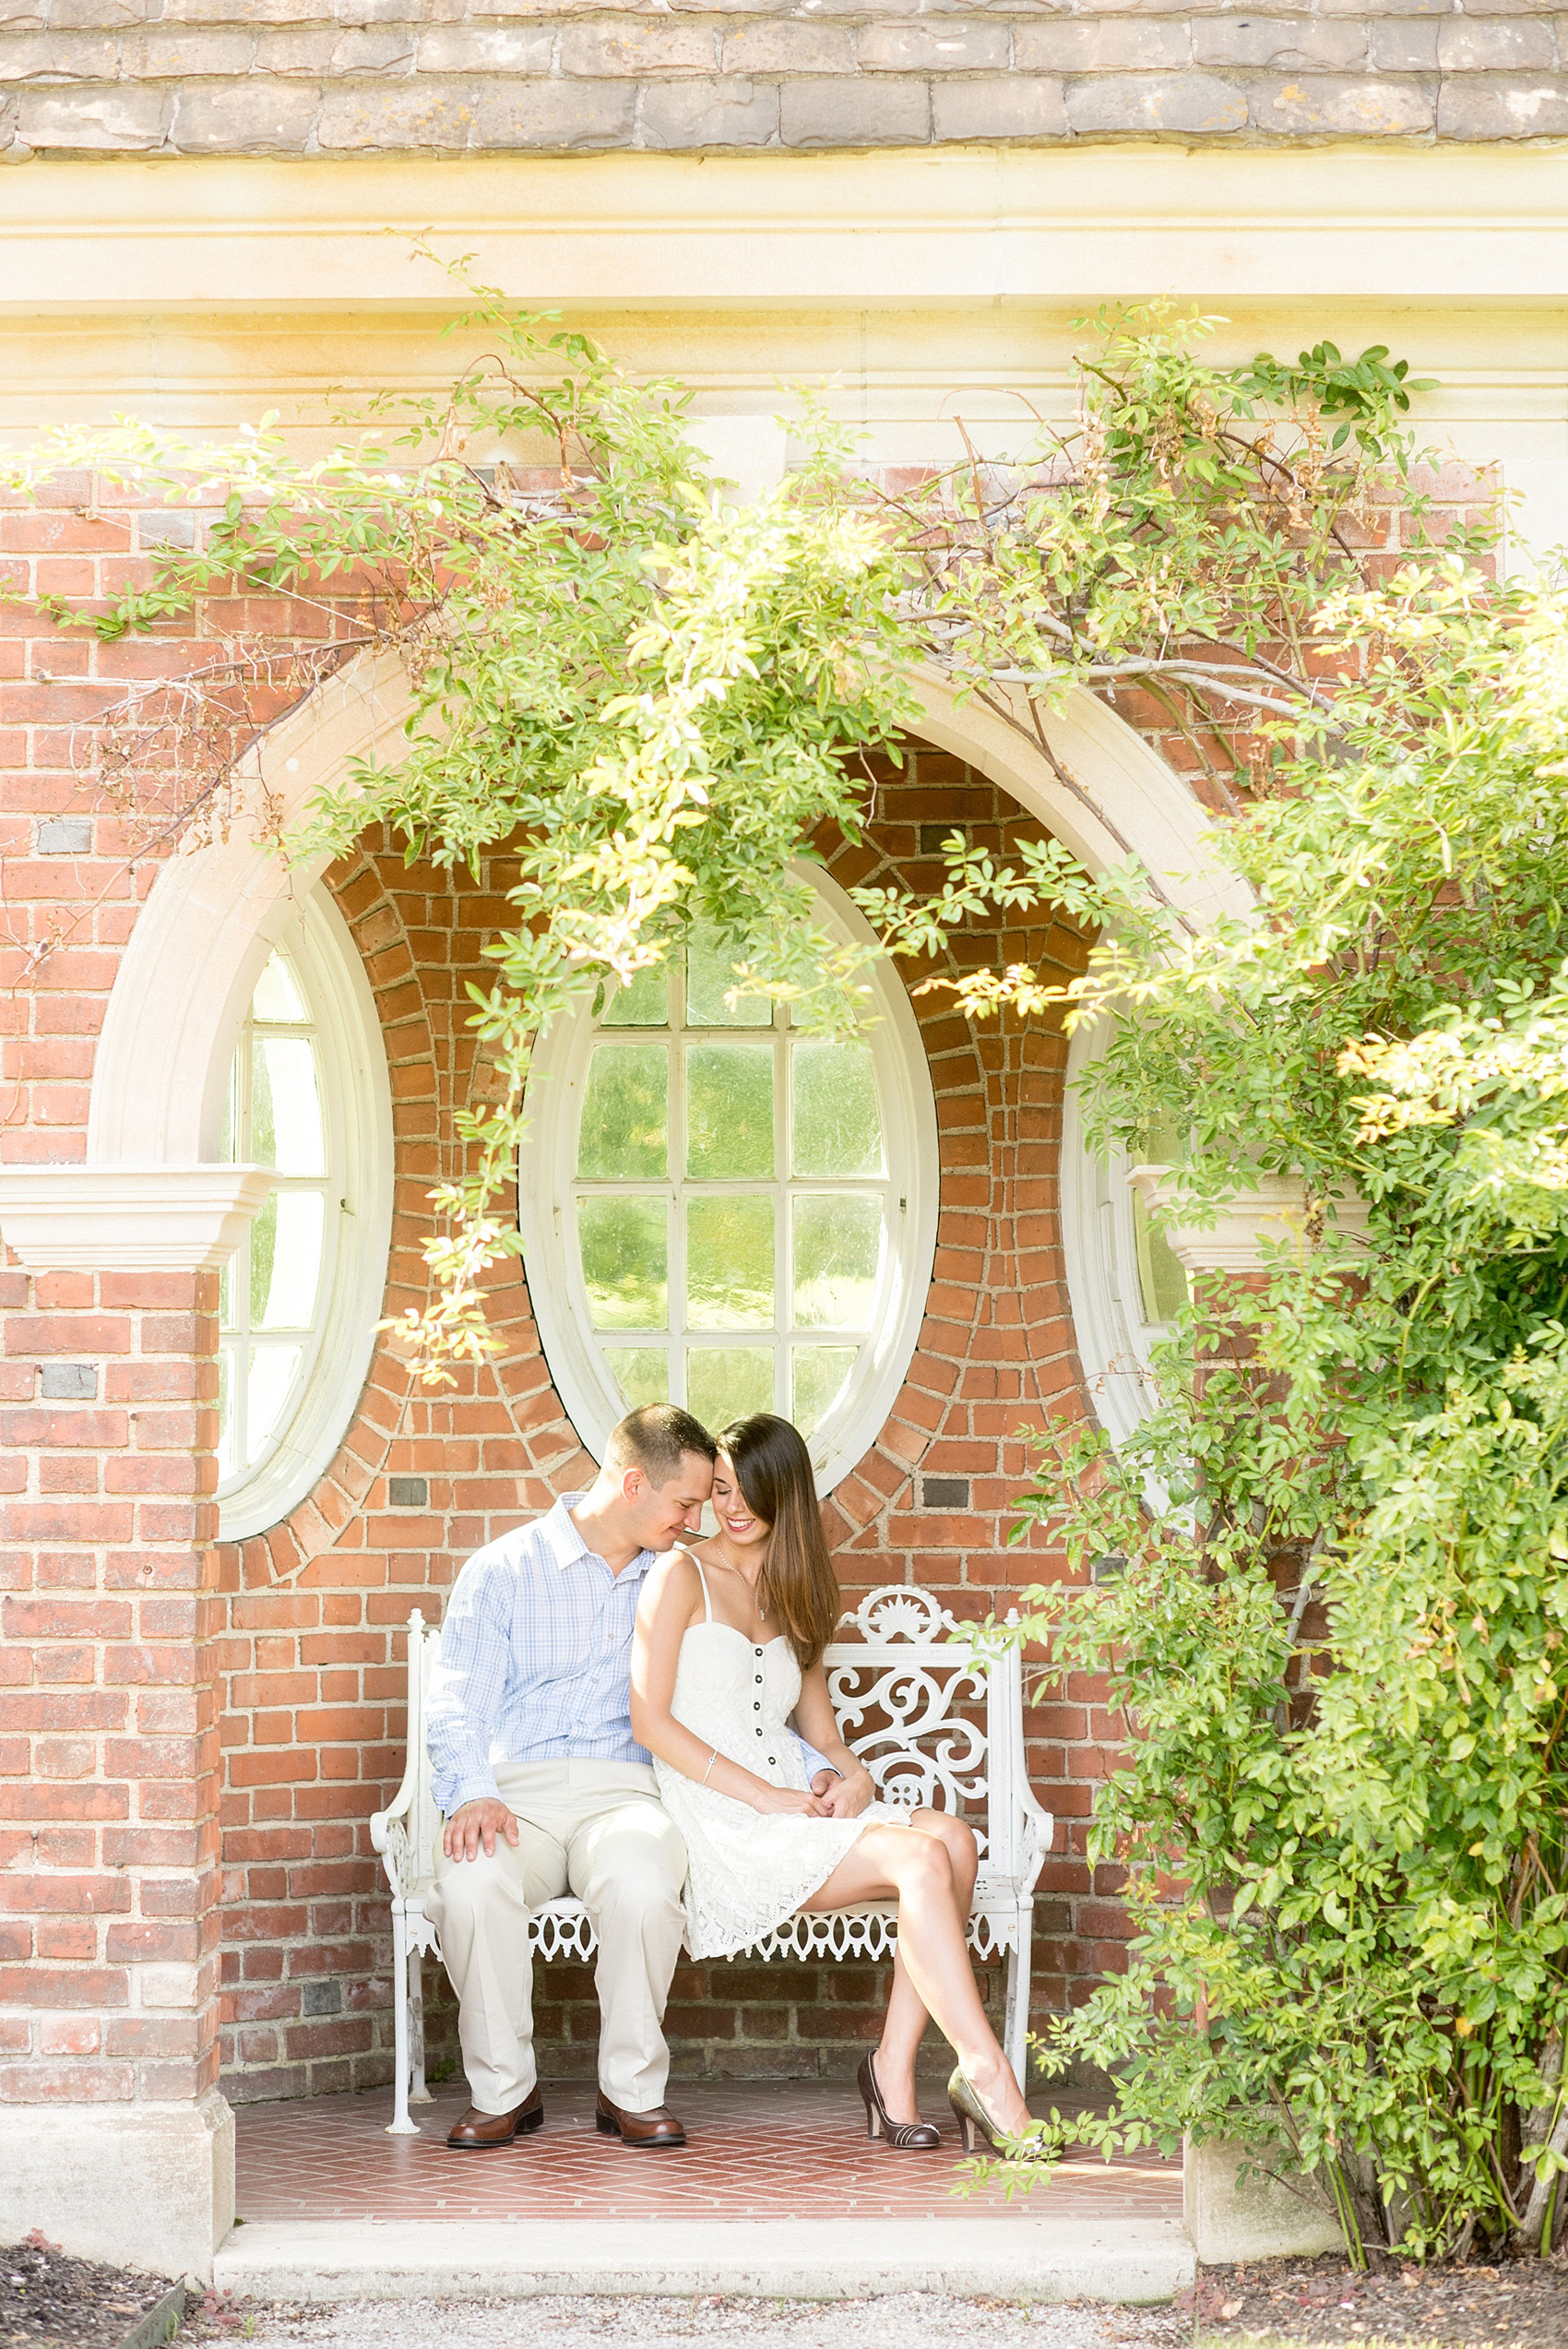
(1016, 2028)
(418, 2093)
(400, 2125)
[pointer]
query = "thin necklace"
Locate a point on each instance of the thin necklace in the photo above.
(754, 1588)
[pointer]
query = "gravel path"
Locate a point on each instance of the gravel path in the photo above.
(902, 2320)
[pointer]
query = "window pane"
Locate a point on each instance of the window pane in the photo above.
(625, 1246)
(296, 1219)
(625, 1132)
(642, 1373)
(272, 1375)
(818, 1376)
(278, 994)
(227, 1284)
(727, 1382)
(730, 1112)
(837, 1126)
(262, 1248)
(1162, 1276)
(730, 1263)
(837, 1238)
(710, 972)
(285, 1106)
(644, 1004)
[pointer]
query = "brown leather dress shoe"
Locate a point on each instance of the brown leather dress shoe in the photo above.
(651, 2129)
(480, 2132)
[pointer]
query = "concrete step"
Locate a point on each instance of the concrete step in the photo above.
(1119, 2258)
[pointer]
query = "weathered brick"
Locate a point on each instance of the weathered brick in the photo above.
(1192, 102)
(788, 45)
(934, 46)
(1496, 106)
(709, 113)
(1374, 108)
(1296, 45)
(113, 120)
(637, 45)
(1100, 44)
(555, 115)
(415, 113)
(820, 112)
(485, 49)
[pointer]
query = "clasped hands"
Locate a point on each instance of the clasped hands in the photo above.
(480, 1822)
(830, 1797)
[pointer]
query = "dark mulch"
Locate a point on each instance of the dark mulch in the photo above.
(1520, 2304)
(46, 2297)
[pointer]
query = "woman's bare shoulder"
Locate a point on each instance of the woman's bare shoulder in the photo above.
(674, 1575)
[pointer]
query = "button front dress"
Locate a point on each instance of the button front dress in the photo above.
(747, 1871)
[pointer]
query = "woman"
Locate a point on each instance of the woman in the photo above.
(729, 1647)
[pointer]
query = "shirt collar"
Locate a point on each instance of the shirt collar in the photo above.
(566, 1545)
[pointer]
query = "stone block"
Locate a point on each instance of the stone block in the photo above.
(485, 49)
(1385, 7)
(1404, 45)
(68, 1381)
(1291, 43)
(555, 115)
(1373, 108)
(163, 54)
(785, 45)
(657, 45)
(56, 57)
(412, 114)
(822, 113)
(1022, 106)
(1146, 103)
(301, 50)
(66, 15)
(1228, 2218)
(1495, 106)
(1495, 44)
(374, 49)
(933, 46)
(66, 835)
(1099, 45)
(252, 12)
(94, 121)
(709, 113)
(251, 118)
(145, 2186)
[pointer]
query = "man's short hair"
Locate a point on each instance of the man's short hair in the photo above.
(654, 1439)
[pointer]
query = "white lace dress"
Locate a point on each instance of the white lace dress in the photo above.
(746, 1871)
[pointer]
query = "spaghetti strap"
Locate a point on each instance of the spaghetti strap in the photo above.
(706, 1601)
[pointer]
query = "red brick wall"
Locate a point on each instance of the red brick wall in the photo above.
(129, 1645)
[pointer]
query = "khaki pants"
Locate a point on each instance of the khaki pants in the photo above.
(599, 1829)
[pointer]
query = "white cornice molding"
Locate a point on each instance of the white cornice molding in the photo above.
(960, 225)
(1242, 1234)
(129, 1219)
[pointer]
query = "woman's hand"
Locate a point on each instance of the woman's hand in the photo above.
(787, 1802)
(848, 1796)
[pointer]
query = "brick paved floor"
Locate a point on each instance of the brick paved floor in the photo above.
(758, 2150)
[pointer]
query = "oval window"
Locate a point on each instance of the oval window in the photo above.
(722, 1211)
(306, 1095)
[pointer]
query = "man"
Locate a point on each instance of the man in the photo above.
(545, 1788)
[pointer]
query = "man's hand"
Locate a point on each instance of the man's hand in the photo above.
(472, 1824)
(844, 1798)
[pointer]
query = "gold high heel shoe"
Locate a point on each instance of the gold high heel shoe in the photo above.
(974, 2121)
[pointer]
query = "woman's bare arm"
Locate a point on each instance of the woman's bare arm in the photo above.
(670, 1604)
(818, 1723)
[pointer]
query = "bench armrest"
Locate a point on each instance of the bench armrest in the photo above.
(1039, 1833)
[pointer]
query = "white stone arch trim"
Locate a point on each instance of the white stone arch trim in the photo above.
(1103, 792)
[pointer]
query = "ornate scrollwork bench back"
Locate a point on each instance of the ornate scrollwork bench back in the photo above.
(933, 1709)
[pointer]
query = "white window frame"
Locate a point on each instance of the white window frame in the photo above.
(356, 1102)
(1099, 1244)
(547, 1170)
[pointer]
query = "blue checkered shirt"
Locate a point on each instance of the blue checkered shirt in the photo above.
(536, 1659)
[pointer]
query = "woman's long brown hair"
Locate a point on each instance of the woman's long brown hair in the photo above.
(798, 1585)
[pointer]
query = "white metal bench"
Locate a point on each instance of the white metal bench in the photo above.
(909, 1684)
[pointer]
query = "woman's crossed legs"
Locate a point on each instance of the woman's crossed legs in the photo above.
(930, 1867)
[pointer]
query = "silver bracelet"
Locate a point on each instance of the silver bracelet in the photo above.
(713, 1757)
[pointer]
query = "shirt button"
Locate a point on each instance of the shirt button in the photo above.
(759, 1651)
(757, 1706)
